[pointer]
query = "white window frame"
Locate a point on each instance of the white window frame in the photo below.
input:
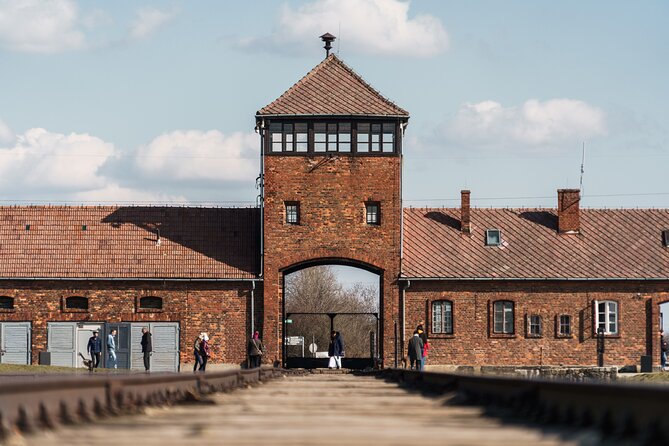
(561, 333)
(504, 320)
(539, 323)
(488, 233)
(603, 318)
(441, 326)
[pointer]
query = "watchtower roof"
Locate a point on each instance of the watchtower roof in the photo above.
(332, 88)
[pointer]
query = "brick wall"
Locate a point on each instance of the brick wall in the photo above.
(332, 192)
(473, 342)
(220, 309)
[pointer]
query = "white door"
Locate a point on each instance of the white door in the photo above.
(15, 342)
(84, 333)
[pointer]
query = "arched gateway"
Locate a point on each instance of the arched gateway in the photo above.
(331, 177)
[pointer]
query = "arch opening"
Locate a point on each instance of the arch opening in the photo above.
(322, 297)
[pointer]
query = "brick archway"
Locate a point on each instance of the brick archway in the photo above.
(374, 331)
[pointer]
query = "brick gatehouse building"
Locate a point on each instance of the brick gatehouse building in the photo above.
(493, 286)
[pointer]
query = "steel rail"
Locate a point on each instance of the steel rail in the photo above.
(30, 405)
(620, 410)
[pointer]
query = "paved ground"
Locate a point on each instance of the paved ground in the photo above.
(314, 409)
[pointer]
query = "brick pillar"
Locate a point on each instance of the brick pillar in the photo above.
(568, 211)
(465, 215)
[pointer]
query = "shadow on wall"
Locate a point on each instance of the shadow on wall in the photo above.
(227, 235)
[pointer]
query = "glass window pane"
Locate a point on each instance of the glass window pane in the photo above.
(319, 127)
(363, 137)
(319, 147)
(363, 128)
(376, 128)
(436, 317)
(288, 128)
(275, 127)
(344, 127)
(387, 137)
(277, 137)
(301, 147)
(448, 317)
(388, 127)
(332, 147)
(332, 128)
(301, 128)
(388, 147)
(319, 137)
(276, 147)
(345, 147)
(362, 147)
(344, 137)
(301, 137)
(376, 138)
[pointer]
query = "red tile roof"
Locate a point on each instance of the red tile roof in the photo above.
(332, 88)
(613, 244)
(120, 242)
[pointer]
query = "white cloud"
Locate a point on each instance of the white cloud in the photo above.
(114, 193)
(532, 124)
(367, 27)
(149, 21)
(6, 134)
(41, 159)
(198, 155)
(40, 26)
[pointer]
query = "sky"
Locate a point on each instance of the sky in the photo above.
(152, 102)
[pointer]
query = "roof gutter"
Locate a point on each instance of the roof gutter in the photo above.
(530, 279)
(325, 115)
(133, 279)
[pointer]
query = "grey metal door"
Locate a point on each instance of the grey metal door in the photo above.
(122, 341)
(165, 341)
(61, 343)
(15, 342)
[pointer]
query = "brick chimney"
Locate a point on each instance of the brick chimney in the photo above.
(569, 218)
(465, 215)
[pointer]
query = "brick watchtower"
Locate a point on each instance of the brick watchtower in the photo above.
(332, 170)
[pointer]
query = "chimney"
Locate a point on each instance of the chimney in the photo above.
(465, 216)
(568, 211)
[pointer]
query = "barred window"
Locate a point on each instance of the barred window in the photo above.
(564, 325)
(292, 212)
(534, 326)
(6, 303)
(503, 317)
(442, 317)
(373, 213)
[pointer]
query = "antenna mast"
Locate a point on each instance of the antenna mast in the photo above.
(580, 185)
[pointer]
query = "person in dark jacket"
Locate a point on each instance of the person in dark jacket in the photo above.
(255, 351)
(415, 351)
(147, 347)
(664, 348)
(197, 351)
(95, 349)
(335, 350)
(426, 346)
(205, 352)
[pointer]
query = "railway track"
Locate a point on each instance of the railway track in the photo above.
(621, 411)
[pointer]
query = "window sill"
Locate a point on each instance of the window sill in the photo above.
(150, 310)
(7, 310)
(503, 335)
(441, 336)
(74, 310)
(569, 336)
(534, 336)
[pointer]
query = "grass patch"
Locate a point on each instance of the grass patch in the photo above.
(654, 378)
(41, 369)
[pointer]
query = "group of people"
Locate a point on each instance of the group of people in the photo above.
(94, 349)
(418, 349)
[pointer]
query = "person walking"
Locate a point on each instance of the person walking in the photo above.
(415, 351)
(255, 350)
(335, 350)
(426, 345)
(111, 350)
(205, 352)
(147, 347)
(197, 352)
(664, 348)
(95, 349)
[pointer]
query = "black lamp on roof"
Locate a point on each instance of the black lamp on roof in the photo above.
(328, 39)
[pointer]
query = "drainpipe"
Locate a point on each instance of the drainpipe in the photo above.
(261, 131)
(253, 315)
(404, 324)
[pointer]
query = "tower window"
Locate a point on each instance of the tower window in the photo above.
(292, 212)
(285, 137)
(373, 213)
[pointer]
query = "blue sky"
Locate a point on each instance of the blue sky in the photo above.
(153, 102)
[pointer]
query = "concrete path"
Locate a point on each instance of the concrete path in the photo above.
(311, 410)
